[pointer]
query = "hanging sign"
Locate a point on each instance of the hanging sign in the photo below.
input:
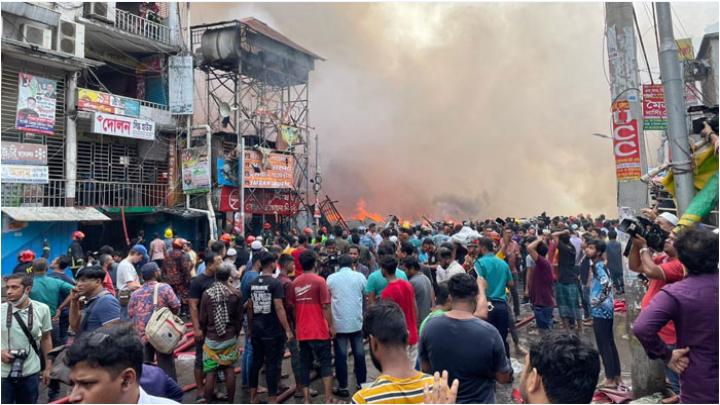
(24, 174)
(686, 52)
(36, 104)
(654, 111)
(126, 127)
(14, 153)
(626, 145)
(180, 78)
(91, 100)
(195, 170)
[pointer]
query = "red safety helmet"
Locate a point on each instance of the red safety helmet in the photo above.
(179, 243)
(308, 231)
(27, 256)
(225, 237)
(267, 225)
(78, 235)
(250, 239)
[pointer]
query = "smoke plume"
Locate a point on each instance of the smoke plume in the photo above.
(455, 110)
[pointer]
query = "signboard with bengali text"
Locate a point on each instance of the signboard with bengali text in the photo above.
(180, 78)
(260, 202)
(277, 171)
(24, 174)
(126, 127)
(195, 170)
(14, 153)
(36, 104)
(654, 111)
(91, 100)
(626, 145)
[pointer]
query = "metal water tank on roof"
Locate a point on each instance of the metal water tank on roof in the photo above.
(222, 47)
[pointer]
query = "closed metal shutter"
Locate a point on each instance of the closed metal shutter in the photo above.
(55, 142)
(52, 194)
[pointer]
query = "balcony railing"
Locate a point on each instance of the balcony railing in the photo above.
(34, 195)
(113, 194)
(143, 27)
(89, 193)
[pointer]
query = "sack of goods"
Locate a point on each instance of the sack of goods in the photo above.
(165, 329)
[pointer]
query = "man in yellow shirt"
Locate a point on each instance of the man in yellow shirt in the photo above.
(399, 382)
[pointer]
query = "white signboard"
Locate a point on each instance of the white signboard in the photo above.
(180, 75)
(127, 127)
(24, 174)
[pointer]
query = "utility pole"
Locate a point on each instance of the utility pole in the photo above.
(71, 139)
(674, 87)
(647, 376)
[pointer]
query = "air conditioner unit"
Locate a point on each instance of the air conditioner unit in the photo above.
(99, 10)
(36, 35)
(71, 38)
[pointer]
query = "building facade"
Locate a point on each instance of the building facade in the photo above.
(87, 131)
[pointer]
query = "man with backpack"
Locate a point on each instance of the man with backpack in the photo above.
(152, 296)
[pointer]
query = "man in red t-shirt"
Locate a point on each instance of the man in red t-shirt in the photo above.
(402, 293)
(661, 269)
(302, 246)
(314, 328)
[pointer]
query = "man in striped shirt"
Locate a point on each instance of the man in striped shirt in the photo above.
(398, 383)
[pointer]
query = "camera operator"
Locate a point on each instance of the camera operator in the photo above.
(26, 341)
(660, 268)
(328, 259)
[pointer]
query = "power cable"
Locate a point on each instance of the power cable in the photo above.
(657, 38)
(642, 43)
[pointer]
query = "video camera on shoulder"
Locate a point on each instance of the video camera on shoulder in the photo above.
(645, 228)
(709, 115)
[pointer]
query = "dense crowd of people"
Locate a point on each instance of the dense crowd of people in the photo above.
(434, 303)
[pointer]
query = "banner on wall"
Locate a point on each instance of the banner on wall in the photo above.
(37, 98)
(91, 100)
(276, 170)
(195, 170)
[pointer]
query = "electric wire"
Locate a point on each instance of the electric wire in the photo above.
(642, 43)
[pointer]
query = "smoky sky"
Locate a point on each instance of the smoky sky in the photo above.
(456, 109)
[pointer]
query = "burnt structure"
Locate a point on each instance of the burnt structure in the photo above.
(253, 83)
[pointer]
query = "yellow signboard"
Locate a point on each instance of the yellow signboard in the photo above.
(686, 51)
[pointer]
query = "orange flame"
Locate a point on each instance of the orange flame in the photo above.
(361, 213)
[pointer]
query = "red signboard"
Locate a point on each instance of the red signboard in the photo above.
(654, 110)
(261, 202)
(626, 146)
(654, 101)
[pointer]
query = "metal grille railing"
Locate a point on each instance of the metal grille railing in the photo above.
(88, 193)
(34, 195)
(143, 27)
(114, 194)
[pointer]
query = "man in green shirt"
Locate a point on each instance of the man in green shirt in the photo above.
(48, 289)
(442, 305)
(498, 277)
(22, 388)
(376, 283)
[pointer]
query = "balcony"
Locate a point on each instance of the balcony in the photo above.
(129, 34)
(136, 25)
(89, 193)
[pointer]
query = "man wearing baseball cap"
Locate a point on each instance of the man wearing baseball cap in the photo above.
(660, 268)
